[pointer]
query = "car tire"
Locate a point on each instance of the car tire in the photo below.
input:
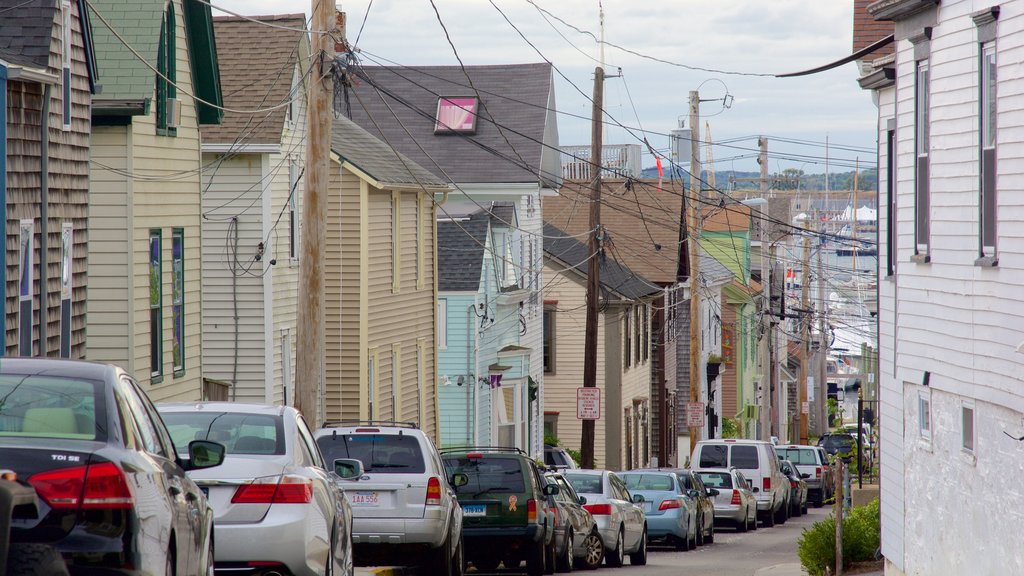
(593, 551)
(488, 564)
(681, 544)
(209, 571)
(639, 558)
(743, 525)
(535, 559)
(617, 557)
(439, 560)
(693, 538)
(550, 554)
(565, 563)
(35, 560)
(753, 525)
(803, 508)
(769, 519)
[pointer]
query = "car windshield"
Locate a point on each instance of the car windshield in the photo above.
(554, 457)
(240, 433)
(487, 475)
(660, 482)
(798, 456)
(50, 407)
(716, 479)
(585, 483)
(379, 453)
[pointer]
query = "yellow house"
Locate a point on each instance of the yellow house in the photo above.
(381, 285)
(159, 64)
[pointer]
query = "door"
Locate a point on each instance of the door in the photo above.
(633, 514)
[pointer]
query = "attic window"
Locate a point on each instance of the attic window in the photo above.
(456, 115)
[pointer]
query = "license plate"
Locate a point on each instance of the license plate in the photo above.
(474, 510)
(365, 499)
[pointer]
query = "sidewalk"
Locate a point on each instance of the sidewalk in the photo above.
(794, 569)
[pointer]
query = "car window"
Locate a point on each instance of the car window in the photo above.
(487, 474)
(618, 488)
(798, 456)
(379, 453)
(741, 478)
(784, 466)
(566, 491)
(585, 483)
(699, 486)
(147, 430)
(745, 457)
(240, 433)
(684, 480)
(162, 436)
(716, 479)
(714, 456)
(306, 438)
(661, 482)
(51, 407)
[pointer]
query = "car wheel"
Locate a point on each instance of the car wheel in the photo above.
(535, 559)
(35, 560)
(681, 544)
(639, 558)
(803, 508)
(439, 561)
(617, 557)
(565, 563)
(743, 525)
(593, 551)
(693, 537)
(550, 552)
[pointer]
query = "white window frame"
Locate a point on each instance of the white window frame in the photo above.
(442, 323)
(968, 445)
(924, 415)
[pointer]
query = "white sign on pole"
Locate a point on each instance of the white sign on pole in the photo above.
(694, 414)
(810, 388)
(805, 408)
(588, 403)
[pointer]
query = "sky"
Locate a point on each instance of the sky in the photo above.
(706, 41)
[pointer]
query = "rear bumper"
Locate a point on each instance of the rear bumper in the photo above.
(297, 536)
(666, 525)
(429, 531)
(729, 514)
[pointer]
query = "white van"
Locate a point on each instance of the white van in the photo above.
(759, 464)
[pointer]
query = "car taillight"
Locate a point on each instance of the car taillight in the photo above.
(434, 491)
(792, 484)
(766, 483)
(817, 472)
(599, 509)
(735, 498)
(275, 490)
(531, 510)
(669, 504)
(92, 486)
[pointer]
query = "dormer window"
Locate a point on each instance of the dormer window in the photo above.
(168, 111)
(456, 115)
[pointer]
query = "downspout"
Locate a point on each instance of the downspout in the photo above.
(44, 229)
(471, 391)
(234, 301)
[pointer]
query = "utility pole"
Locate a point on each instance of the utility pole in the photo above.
(805, 323)
(693, 234)
(762, 159)
(822, 382)
(593, 263)
(770, 420)
(767, 270)
(310, 326)
(853, 225)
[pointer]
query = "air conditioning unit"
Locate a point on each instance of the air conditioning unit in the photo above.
(173, 112)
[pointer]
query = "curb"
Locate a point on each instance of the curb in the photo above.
(384, 571)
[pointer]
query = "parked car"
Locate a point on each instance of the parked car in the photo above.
(702, 496)
(620, 518)
(112, 491)
(759, 464)
(508, 517)
(576, 534)
(671, 513)
(812, 461)
(19, 501)
(276, 507)
(403, 505)
(558, 458)
(838, 443)
(797, 488)
(735, 504)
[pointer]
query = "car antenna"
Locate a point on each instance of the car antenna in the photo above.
(334, 434)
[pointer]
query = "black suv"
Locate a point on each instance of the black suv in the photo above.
(838, 443)
(507, 516)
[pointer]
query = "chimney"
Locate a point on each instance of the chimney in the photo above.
(341, 43)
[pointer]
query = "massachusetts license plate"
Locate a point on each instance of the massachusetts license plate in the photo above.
(365, 499)
(474, 510)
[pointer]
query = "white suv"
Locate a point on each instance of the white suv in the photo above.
(403, 504)
(760, 465)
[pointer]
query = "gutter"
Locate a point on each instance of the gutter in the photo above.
(121, 108)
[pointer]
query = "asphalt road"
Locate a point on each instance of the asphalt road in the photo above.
(732, 554)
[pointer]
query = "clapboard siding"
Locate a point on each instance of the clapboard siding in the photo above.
(458, 360)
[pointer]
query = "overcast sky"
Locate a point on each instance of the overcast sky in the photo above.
(748, 36)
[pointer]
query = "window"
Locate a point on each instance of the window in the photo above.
(549, 340)
(636, 333)
(922, 198)
(551, 424)
(987, 202)
(456, 115)
(371, 386)
(166, 92)
(178, 300)
(646, 348)
(293, 222)
(714, 456)
(744, 457)
(396, 382)
(628, 348)
(421, 381)
(396, 241)
(967, 429)
(924, 416)
(65, 78)
(890, 206)
(240, 433)
(156, 307)
(442, 323)
(379, 453)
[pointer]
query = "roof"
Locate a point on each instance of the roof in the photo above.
(25, 32)
(376, 159)
(57, 367)
(714, 271)
(733, 217)
(229, 407)
(460, 254)
(257, 64)
(642, 222)
(503, 213)
(510, 127)
(614, 276)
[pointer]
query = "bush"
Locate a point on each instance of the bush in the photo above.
(816, 547)
(730, 428)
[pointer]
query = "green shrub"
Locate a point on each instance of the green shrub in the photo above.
(816, 547)
(730, 428)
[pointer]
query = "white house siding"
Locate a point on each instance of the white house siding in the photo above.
(955, 320)
(532, 225)
(636, 385)
(232, 201)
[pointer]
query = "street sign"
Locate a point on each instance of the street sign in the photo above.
(588, 403)
(694, 414)
(805, 408)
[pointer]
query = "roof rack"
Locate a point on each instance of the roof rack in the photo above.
(343, 423)
(485, 449)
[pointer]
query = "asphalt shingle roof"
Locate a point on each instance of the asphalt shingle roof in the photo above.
(614, 276)
(460, 253)
(257, 64)
(123, 75)
(465, 159)
(376, 158)
(25, 31)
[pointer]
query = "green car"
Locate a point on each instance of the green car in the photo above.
(506, 516)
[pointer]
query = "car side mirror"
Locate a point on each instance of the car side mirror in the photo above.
(204, 454)
(805, 475)
(459, 479)
(638, 498)
(713, 492)
(582, 500)
(551, 490)
(692, 493)
(348, 468)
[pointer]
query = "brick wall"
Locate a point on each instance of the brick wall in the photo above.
(867, 30)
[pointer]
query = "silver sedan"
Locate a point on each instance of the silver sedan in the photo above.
(621, 522)
(276, 506)
(735, 504)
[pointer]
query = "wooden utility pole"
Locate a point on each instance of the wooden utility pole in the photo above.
(805, 323)
(693, 234)
(593, 263)
(310, 326)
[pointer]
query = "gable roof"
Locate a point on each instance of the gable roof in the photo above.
(460, 253)
(614, 276)
(25, 32)
(257, 66)
(517, 103)
(377, 159)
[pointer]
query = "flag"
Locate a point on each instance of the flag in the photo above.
(657, 160)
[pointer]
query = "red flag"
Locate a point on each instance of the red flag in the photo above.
(657, 160)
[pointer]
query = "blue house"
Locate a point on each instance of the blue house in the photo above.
(485, 391)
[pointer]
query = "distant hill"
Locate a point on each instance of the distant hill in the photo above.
(789, 179)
